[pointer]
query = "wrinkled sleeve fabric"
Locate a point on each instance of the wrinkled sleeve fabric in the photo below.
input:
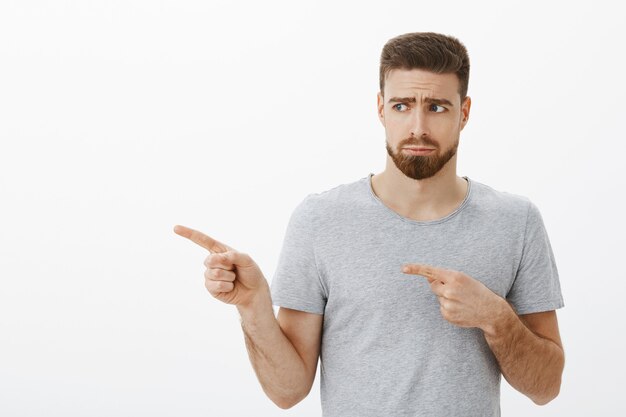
(296, 283)
(536, 287)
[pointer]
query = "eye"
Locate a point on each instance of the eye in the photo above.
(441, 107)
(399, 104)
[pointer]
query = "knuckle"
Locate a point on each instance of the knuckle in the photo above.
(228, 276)
(209, 286)
(215, 259)
(214, 287)
(223, 286)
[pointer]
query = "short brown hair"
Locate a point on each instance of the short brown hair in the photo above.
(428, 51)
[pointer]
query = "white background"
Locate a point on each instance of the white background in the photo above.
(120, 119)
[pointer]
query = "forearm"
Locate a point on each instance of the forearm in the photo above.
(531, 364)
(278, 366)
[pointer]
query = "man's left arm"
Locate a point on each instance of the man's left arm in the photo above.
(528, 350)
(527, 347)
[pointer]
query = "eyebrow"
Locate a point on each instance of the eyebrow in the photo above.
(430, 100)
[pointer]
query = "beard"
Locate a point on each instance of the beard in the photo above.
(420, 167)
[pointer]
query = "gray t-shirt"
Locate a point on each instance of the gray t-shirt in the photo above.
(386, 349)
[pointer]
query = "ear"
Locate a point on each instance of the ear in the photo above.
(465, 111)
(380, 104)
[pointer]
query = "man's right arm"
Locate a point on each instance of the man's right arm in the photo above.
(283, 352)
(286, 374)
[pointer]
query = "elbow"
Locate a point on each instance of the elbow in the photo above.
(287, 403)
(283, 403)
(544, 400)
(553, 392)
(548, 396)
(288, 398)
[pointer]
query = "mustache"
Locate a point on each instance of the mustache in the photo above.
(426, 142)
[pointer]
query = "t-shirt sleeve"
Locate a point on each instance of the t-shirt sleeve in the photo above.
(536, 286)
(296, 283)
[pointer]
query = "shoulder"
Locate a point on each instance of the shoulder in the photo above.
(504, 203)
(332, 201)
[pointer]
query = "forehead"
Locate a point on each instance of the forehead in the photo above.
(418, 82)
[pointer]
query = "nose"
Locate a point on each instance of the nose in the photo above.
(419, 124)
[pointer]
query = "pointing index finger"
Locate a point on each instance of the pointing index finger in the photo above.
(201, 239)
(430, 272)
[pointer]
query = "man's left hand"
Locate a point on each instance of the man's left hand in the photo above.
(463, 300)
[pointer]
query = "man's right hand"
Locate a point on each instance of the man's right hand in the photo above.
(231, 276)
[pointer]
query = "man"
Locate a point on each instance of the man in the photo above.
(477, 296)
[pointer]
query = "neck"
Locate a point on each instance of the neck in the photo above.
(427, 199)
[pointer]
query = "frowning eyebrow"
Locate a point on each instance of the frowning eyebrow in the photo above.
(429, 100)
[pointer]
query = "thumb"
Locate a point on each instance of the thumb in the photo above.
(239, 259)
